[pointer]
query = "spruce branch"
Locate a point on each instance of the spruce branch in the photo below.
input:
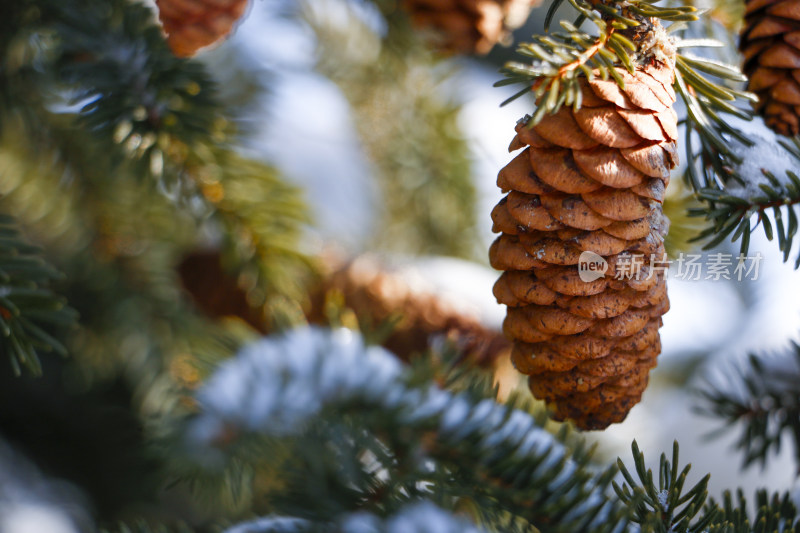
(111, 57)
(709, 106)
(358, 433)
(770, 198)
(626, 37)
(262, 217)
(278, 524)
(27, 305)
(425, 442)
(130, 88)
(731, 214)
(763, 399)
(727, 14)
(118, 258)
(119, 86)
(774, 513)
(665, 507)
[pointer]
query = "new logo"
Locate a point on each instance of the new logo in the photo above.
(591, 266)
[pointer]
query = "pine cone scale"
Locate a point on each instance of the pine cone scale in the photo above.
(608, 167)
(606, 127)
(562, 130)
(789, 10)
(558, 169)
(755, 5)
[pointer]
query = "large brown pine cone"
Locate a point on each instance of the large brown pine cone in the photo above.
(770, 43)
(194, 24)
(588, 180)
(469, 26)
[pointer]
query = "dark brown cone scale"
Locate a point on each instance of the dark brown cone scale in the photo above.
(588, 180)
(194, 24)
(770, 44)
(468, 26)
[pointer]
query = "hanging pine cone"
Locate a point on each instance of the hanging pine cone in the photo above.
(770, 43)
(588, 180)
(194, 24)
(469, 26)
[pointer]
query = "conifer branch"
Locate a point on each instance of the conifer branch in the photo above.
(663, 506)
(158, 117)
(712, 164)
(730, 212)
(263, 218)
(396, 439)
(130, 88)
(363, 400)
(775, 513)
(27, 305)
(559, 60)
(771, 196)
(416, 517)
(763, 399)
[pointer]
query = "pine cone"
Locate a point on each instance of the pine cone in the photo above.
(368, 288)
(469, 26)
(588, 180)
(193, 24)
(215, 291)
(379, 293)
(770, 43)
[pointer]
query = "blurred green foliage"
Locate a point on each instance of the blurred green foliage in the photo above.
(408, 125)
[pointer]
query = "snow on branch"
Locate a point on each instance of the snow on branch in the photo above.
(281, 386)
(762, 189)
(277, 385)
(762, 398)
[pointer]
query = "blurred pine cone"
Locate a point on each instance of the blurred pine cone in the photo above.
(770, 43)
(590, 180)
(469, 26)
(194, 24)
(378, 293)
(215, 291)
(366, 287)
